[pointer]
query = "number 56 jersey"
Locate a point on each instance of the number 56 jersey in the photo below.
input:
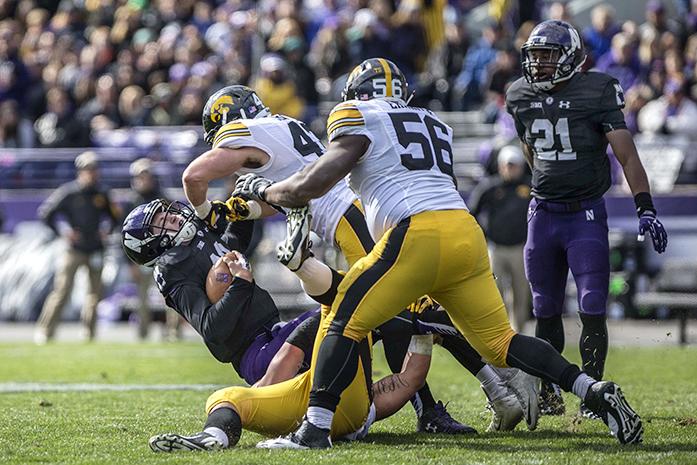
(566, 131)
(408, 167)
(290, 147)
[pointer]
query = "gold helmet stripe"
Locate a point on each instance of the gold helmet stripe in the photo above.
(388, 76)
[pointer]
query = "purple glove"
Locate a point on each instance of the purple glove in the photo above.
(648, 223)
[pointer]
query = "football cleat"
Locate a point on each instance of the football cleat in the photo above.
(175, 442)
(437, 420)
(606, 400)
(551, 401)
(308, 436)
(506, 413)
(585, 412)
(295, 249)
(525, 388)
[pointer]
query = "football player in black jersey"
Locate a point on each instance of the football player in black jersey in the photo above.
(565, 119)
(243, 327)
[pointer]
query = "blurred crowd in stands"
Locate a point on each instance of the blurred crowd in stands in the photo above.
(72, 67)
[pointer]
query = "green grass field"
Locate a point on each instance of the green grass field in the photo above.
(113, 427)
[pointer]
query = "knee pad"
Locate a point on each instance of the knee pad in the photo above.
(546, 307)
(593, 302)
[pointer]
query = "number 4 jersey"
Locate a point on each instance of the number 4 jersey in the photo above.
(290, 147)
(408, 167)
(566, 131)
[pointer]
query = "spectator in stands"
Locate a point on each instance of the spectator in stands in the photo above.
(15, 131)
(560, 12)
(473, 76)
(275, 88)
(58, 127)
(368, 36)
(673, 113)
(636, 98)
(304, 77)
(621, 62)
(500, 204)
(146, 188)
(598, 36)
(84, 205)
(133, 109)
(657, 21)
(408, 40)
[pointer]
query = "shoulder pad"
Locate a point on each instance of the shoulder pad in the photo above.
(230, 130)
(344, 114)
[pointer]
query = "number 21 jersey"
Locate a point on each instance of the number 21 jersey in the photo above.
(566, 131)
(408, 167)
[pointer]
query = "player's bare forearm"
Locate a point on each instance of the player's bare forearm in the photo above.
(214, 164)
(392, 392)
(316, 179)
(529, 154)
(625, 151)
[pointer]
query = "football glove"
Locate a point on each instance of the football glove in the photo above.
(238, 209)
(252, 186)
(422, 304)
(648, 223)
(216, 220)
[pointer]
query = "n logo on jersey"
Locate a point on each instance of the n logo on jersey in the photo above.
(590, 216)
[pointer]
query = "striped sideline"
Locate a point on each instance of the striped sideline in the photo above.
(94, 387)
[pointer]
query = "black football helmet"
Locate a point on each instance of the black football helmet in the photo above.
(375, 78)
(228, 104)
(144, 242)
(552, 54)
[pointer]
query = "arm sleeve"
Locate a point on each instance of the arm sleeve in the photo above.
(609, 109)
(214, 322)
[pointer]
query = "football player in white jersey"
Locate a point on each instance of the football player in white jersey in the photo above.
(247, 138)
(398, 160)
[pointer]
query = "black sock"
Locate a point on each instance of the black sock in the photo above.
(593, 344)
(538, 358)
(551, 330)
(227, 420)
(463, 353)
(337, 363)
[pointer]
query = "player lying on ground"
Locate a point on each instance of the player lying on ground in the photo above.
(398, 160)
(245, 137)
(565, 119)
(243, 326)
(277, 409)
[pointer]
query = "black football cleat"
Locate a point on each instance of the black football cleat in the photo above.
(175, 442)
(308, 436)
(606, 400)
(437, 420)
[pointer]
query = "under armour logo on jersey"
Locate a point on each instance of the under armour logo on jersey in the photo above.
(564, 104)
(590, 216)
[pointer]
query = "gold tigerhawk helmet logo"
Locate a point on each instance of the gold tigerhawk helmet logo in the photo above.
(220, 107)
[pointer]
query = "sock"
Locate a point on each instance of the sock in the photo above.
(227, 421)
(538, 358)
(423, 399)
(463, 353)
(582, 384)
(320, 417)
(316, 277)
(551, 330)
(219, 434)
(491, 383)
(593, 344)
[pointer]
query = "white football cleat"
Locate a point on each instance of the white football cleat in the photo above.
(175, 442)
(295, 248)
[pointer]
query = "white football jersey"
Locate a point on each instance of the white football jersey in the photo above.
(408, 167)
(290, 147)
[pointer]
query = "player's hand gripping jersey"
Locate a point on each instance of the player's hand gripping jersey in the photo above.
(566, 130)
(290, 146)
(408, 167)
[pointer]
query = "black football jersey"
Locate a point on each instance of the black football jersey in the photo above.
(566, 131)
(228, 326)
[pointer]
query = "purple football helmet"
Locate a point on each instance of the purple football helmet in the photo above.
(144, 240)
(552, 54)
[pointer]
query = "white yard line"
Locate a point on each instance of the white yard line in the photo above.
(94, 387)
